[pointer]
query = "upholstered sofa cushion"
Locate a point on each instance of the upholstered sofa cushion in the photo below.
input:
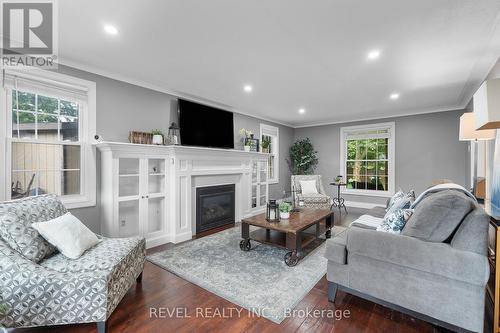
(472, 235)
(16, 218)
(315, 198)
(101, 259)
(438, 215)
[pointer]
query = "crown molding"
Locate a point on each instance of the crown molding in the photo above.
(171, 92)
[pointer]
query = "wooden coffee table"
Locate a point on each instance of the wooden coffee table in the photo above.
(291, 234)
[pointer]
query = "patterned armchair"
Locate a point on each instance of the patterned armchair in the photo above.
(321, 200)
(39, 286)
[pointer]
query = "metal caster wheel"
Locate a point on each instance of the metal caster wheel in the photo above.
(291, 259)
(245, 245)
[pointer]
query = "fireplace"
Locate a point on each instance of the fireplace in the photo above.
(214, 207)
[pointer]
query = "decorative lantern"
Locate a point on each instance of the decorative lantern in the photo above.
(174, 136)
(273, 211)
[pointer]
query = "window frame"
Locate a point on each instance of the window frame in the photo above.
(391, 128)
(87, 129)
(274, 133)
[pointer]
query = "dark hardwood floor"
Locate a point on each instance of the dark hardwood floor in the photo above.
(162, 289)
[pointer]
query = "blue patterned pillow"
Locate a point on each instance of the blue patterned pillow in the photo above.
(395, 221)
(395, 199)
(398, 195)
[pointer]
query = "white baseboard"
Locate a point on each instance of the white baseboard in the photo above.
(364, 205)
(178, 238)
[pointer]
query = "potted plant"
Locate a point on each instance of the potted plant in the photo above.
(157, 137)
(266, 143)
(285, 208)
(303, 158)
(245, 135)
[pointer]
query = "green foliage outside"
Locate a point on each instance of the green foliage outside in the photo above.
(25, 101)
(303, 158)
(367, 164)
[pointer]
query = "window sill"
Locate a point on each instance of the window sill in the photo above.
(368, 193)
(273, 181)
(77, 201)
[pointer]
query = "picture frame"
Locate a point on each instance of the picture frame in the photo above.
(253, 143)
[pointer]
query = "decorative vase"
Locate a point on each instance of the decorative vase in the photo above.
(157, 139)
(285, 216)
(247, 148)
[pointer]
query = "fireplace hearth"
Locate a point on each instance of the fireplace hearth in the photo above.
(215, 207)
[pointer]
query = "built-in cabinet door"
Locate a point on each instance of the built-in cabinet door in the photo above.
(129, 197)
(141, 197)
(154, 202)
(259, 187)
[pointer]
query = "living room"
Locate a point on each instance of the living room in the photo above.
(281, 166)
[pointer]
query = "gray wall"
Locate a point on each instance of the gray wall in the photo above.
(286, 139)
(122, 107)
(427, 148)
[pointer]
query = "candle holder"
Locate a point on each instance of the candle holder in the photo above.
(272, 211)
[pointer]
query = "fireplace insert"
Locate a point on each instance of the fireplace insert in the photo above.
(214, 207)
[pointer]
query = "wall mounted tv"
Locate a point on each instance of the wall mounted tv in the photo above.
(205, 126)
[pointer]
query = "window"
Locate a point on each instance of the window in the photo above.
(269, 140)
(367, 159)
(50, 119)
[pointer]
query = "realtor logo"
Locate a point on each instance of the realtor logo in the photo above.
(29, 33)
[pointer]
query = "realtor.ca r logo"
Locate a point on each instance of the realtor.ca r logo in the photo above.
(29, 35)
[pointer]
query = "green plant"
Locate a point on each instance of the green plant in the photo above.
(156, 132)
(303, 158)
(266, 142)
(285, 207)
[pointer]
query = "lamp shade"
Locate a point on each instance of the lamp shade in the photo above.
(468, 130)
(487, 105)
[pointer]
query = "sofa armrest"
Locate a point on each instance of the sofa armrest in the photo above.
(435, 258)
(335, 249)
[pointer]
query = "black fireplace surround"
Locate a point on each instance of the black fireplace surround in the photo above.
(214, 207)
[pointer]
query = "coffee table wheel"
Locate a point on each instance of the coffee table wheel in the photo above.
(291, 259)
(245, 245)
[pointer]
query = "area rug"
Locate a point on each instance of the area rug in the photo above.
(257, 280)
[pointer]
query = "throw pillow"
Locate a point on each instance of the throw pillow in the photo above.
(398, 195)
(21, 237)
(308, 187)
(395, 221)
(438, 215)
(400, 203)
(68, 234)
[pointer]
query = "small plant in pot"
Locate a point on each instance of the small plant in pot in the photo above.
(245, 135)
(285, 208)
(266, 143)
(157, 137)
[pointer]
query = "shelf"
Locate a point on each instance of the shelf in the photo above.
(157, 174)
(129, 175)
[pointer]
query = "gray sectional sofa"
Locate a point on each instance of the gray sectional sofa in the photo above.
(39, 286)
(442, 282)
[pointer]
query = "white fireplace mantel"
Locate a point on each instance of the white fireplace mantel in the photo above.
(185, 168)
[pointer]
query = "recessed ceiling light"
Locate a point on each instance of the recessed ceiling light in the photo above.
(248, 88)
(373, 55)
(302, 111)
(110, 29)
(394, 96)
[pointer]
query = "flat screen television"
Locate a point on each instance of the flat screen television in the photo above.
(205, 126)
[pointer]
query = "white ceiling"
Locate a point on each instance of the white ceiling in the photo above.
(296, 54)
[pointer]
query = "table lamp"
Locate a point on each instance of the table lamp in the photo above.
(468, 132)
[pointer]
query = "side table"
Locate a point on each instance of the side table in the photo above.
(338, 202)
